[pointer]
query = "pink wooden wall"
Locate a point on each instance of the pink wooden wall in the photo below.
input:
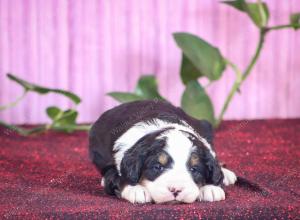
(92, 47)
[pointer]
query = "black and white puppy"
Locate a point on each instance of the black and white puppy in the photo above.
(152, 151)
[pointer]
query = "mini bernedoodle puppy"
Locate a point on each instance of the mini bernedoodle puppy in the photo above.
(151, 151)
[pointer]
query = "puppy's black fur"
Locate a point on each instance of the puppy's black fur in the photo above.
(212, 170)
(134, 158)
(153, 168)
(113, 123)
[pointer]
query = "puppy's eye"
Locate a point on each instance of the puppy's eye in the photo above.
(158, 167)
(194, 170)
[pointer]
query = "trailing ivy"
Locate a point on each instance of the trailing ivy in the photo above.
(61, 120)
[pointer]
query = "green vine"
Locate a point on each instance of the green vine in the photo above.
(14, 103)
(200, 59)
(61, 120)
(241, 77)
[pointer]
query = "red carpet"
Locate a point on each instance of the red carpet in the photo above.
(50, 176)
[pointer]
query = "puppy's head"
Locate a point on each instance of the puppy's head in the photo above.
(172, 164)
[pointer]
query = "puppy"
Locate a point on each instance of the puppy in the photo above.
(151, 151)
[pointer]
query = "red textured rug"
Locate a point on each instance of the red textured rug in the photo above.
(50, 176)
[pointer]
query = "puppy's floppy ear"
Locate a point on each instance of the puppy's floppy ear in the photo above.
(214, 173)
(207, 130)
(135, 157)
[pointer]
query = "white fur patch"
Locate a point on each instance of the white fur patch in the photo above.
(229, 177)
(136, 194)
(211, 193)
(177, 178)
(179, 147)
(160, 188)
(132, 135)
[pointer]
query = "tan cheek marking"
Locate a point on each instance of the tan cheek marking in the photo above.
(163, 159)
(194, 160)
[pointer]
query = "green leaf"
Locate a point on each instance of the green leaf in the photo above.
(124, 97)
(70, 95)
(237, 4)
(188, 71)
(64, 119)
(68, 117)
(258, 12)
(147, 88)
(43, 90)
(295, 20)
(204, 57)
(197, 103)
(54, 112)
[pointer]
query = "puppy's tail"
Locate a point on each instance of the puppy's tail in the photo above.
(249, 185)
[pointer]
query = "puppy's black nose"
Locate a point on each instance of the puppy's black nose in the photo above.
(175, 191)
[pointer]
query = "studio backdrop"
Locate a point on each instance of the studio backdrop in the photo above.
(92, 47)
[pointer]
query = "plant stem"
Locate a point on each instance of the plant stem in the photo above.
(282, 27)
(72, 127)
(13, 128)
(238, 73)
(256, 55)
(41, 129)
(234, 88)
(241, 77)
(14, 103)
(83, 127)
(20, 130)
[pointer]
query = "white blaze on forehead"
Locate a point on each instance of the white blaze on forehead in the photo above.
(203, 140)
(179, 147)
(132, 135)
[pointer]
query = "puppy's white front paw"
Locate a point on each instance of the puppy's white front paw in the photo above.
(211, 193)
(136, 194)
(229, 177)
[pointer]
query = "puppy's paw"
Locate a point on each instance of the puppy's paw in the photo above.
(229, 177)
(211, 193)
(136, 194)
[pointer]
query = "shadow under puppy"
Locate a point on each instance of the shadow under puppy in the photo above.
(153, 151)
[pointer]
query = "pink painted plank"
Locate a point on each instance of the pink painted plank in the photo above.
(94, 47)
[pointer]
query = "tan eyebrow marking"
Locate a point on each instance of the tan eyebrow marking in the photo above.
(163, 158)
(194, 160)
